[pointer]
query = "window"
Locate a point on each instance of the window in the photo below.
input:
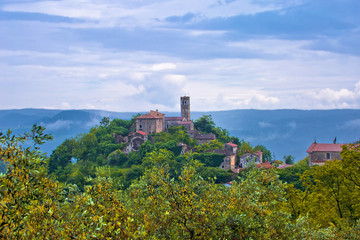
(140, 126)
(327, 155)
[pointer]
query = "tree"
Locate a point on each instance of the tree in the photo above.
(28, 199)
(105, 122)
(205, 124)
(331, 194)
(62, 155)
(266, 152)
(289, 159)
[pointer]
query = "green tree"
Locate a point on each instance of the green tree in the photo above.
(266, 152)
(205, 124)
(105, 122)
(289, 159)
(28, 200)
(62, 155)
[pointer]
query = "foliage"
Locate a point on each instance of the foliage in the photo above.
(292, 174)
(330, 196)
(210, 159)
(245, 147)
(162, 204)
(208, 147)
(90, 150)
(289, 159)
(28, 200)
(216, 174)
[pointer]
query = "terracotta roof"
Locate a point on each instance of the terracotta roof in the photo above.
(151, 115)
(141, 132)
(325, 147)
(232, 144)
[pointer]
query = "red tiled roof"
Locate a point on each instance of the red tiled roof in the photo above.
(232, 144)
(325, 147)
(142, 133)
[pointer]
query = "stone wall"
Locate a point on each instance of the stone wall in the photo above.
(155, 125)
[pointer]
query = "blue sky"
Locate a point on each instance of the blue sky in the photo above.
(136, 55)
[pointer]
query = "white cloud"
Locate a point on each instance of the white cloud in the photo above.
(260, 100)
(163, 66)
(140, 13)
(90, 77)
(329, 98)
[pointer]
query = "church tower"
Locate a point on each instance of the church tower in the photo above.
(185, 107)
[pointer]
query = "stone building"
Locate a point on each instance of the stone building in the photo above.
(250, 158)
(229, 151)
(178, 121)
(153, 122)
(319, 153)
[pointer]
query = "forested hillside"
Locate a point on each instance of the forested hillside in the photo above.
(77, 158)
(88, 189)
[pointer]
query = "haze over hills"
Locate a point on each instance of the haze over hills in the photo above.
(283, 132)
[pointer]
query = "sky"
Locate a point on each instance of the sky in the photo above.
(137, 55)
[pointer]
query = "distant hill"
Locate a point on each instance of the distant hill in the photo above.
(282, 131)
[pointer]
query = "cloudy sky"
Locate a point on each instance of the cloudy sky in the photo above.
(136, 55)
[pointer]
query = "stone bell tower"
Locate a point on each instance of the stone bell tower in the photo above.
(185, 107)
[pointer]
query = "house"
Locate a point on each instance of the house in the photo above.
(153, 122)
(319, 153)
(250, 158)
(229, 151)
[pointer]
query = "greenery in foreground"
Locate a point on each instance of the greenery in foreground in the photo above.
(165, 204)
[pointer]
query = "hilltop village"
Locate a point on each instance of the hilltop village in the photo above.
(156, 122)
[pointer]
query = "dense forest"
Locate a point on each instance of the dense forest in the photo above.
(89, 189)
